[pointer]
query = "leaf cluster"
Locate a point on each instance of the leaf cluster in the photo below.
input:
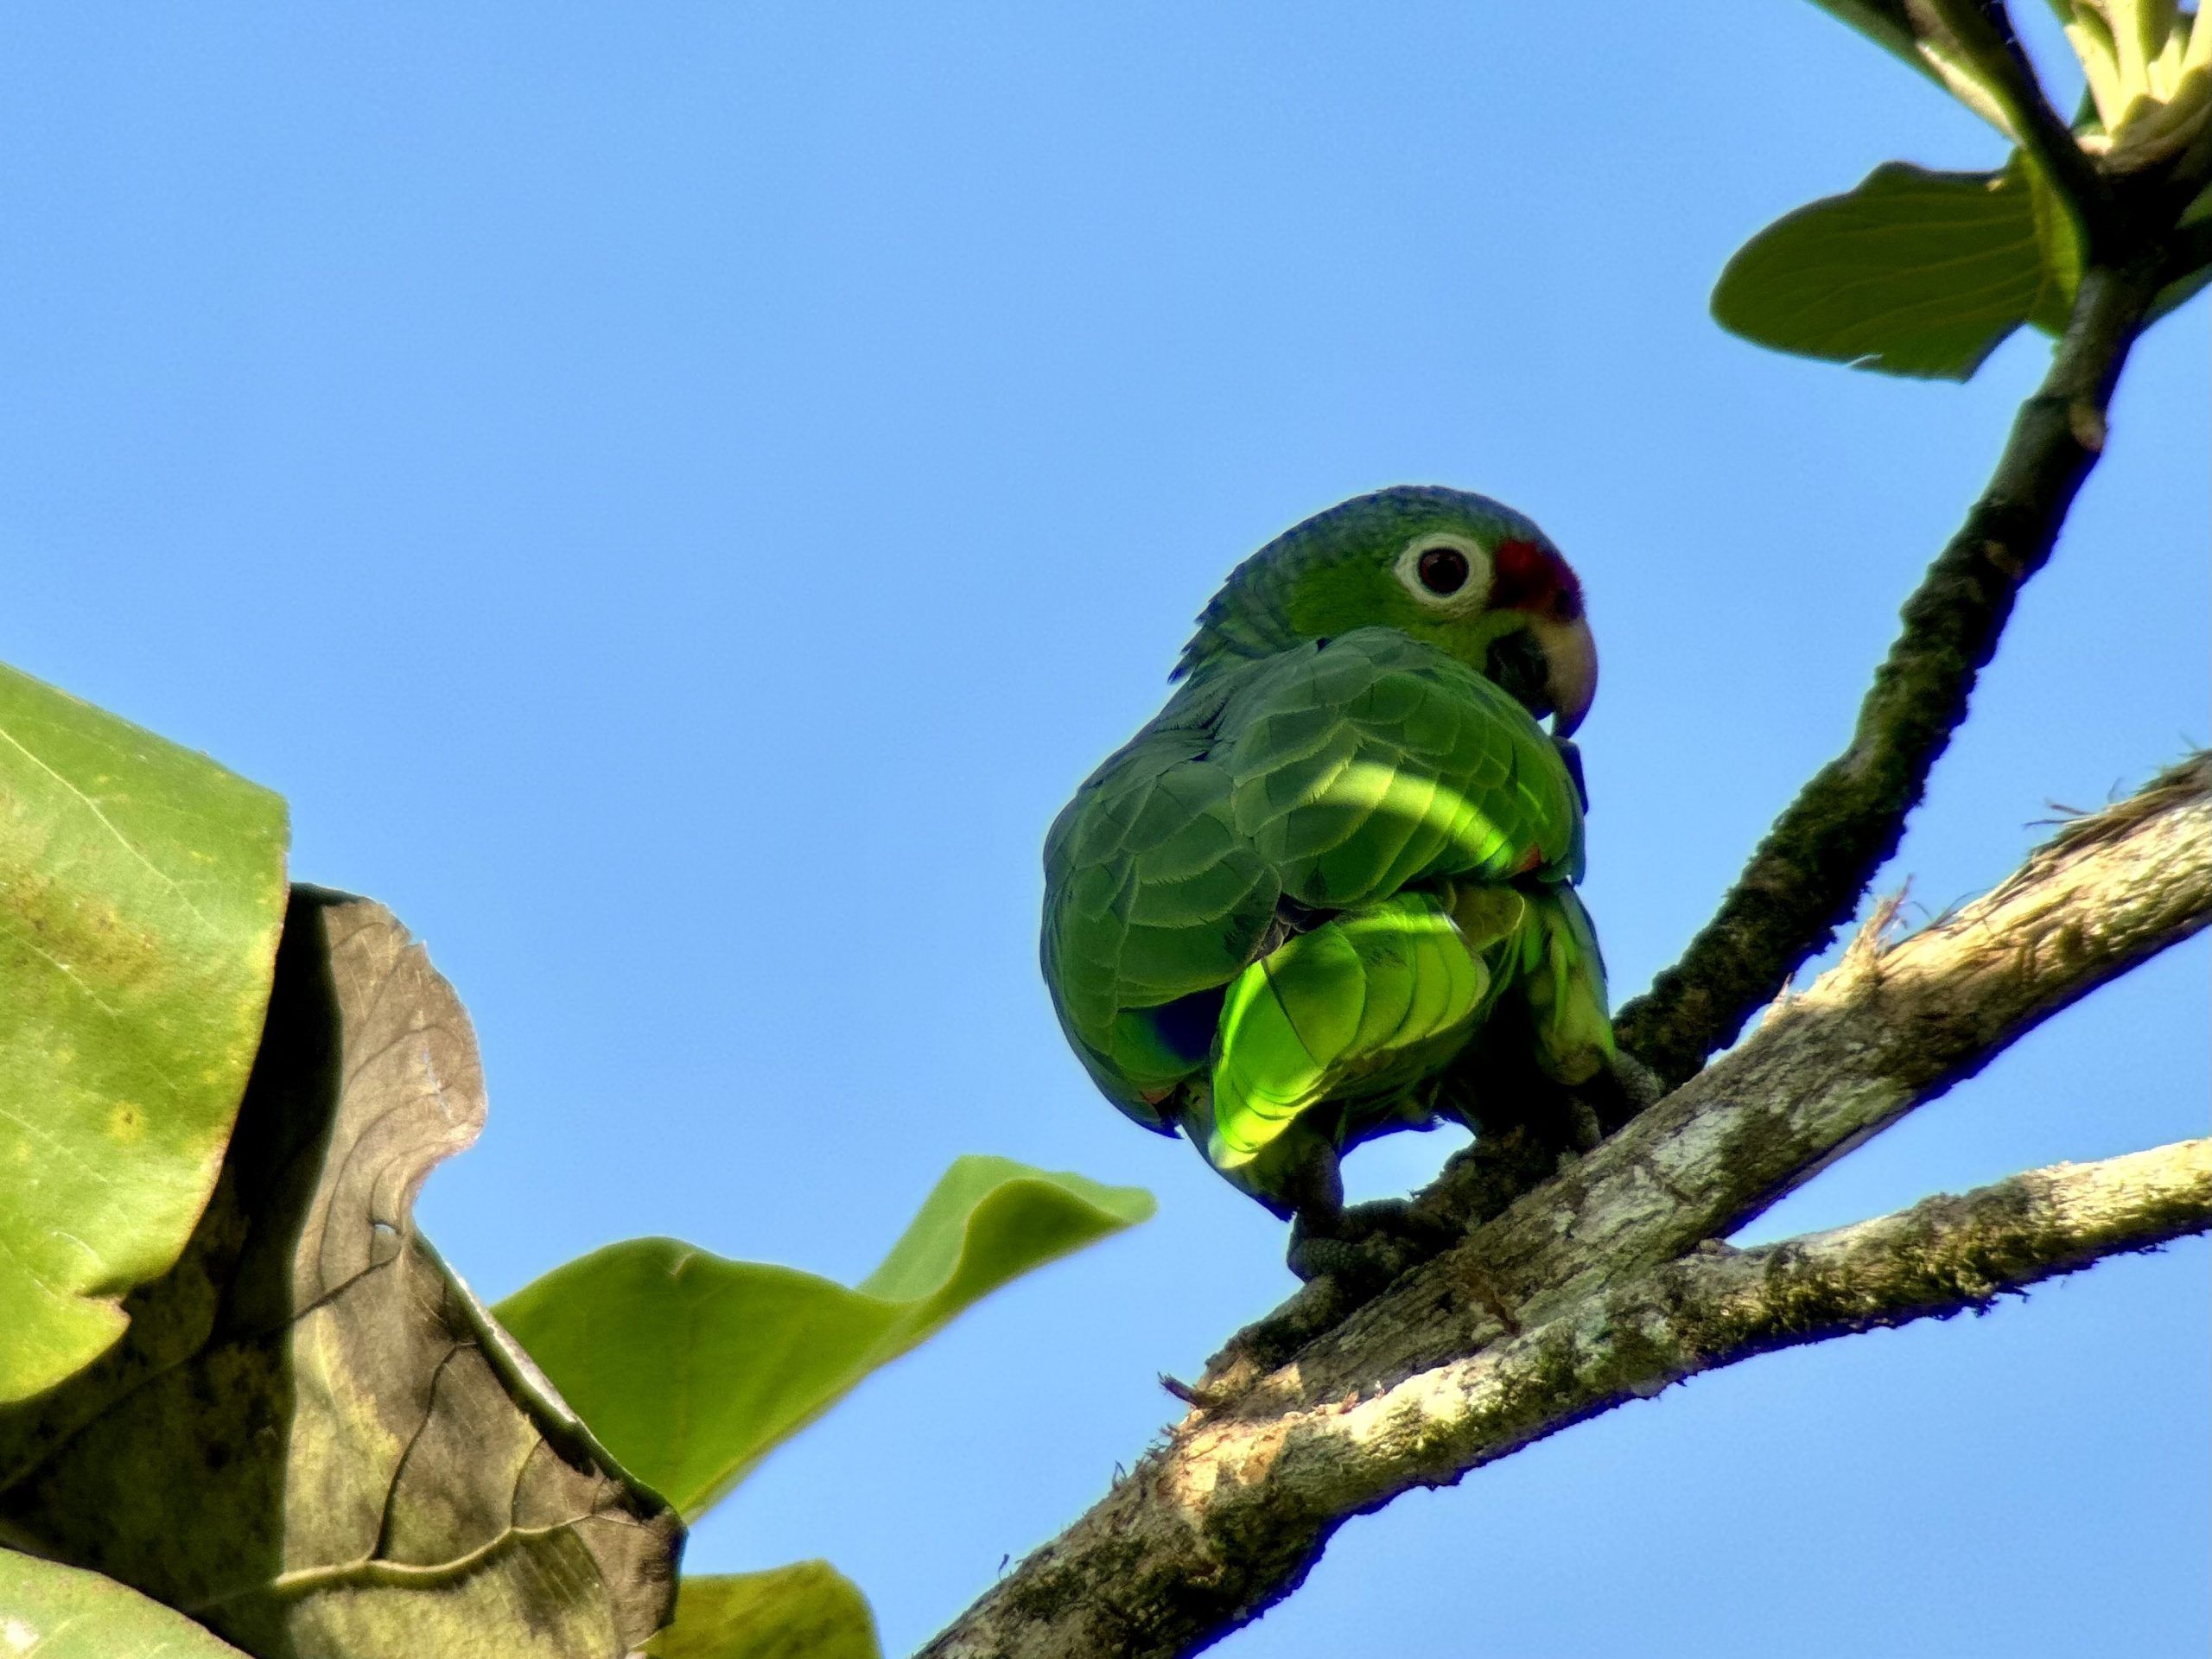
(245, 1405)
(1925, 273)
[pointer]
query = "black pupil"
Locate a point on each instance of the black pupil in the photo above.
(1444, 569)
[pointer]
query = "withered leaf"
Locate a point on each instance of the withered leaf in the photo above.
(314, 1438)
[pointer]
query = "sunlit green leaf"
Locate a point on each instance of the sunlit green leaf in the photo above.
(807, 1611)
(691, 1367)
(1912, 273)
(2058, 245)
(2139, 57)
(52, 1611)
(140, 890)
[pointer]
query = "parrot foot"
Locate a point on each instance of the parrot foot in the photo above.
(1584, 1124)
(1364, 1247)
(1635, 1080)
(1595, 1109)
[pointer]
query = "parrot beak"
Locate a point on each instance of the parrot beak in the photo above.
(1571, 669)
(1533, 579)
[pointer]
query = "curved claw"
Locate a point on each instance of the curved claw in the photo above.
(1365, 1246)
(1625, 1087)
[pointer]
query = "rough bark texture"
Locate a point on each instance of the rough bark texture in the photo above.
(1307, 1467)
(1593, 1286)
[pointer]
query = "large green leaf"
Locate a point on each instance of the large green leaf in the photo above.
(1912, 273)
(312, 1438)
(51, 1611)
(140, 890)
(690, 1368)
(807, 1611)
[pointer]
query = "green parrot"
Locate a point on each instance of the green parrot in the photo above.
(1342, 853)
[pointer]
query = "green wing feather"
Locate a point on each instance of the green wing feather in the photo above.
(1151, 895)
(1334, 776)
(1377, 762)
(1565, 985)
(1364, 1001)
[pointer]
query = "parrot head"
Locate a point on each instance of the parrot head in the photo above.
(1459, 571)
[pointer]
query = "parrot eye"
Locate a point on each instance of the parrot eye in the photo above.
(1443, 570)
(1450, 572)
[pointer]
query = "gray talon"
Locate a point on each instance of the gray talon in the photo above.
(1635, 1080)
(1584, 1124)
(1364, 1246)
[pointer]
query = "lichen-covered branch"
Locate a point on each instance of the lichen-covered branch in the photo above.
(1223, 1521)
(1715, 1308)
(1809, 875)
(1228, 1483)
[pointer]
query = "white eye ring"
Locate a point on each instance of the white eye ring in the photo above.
(1470, 595)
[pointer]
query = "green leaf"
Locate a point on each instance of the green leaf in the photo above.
(1912, 273)
(141, 889)
(2058, 245)
(312, 1438)
(807, 1611)
(691, 1368)
(51, 1611)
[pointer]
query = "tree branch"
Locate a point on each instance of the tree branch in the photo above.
(1227, 1517)
(1244, 1481)
(1809, 875)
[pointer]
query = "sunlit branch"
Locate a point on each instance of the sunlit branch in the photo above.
(1287, 1479)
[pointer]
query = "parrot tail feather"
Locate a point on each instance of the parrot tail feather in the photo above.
(1368, 1002)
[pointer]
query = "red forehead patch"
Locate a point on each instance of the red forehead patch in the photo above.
(1532, 578)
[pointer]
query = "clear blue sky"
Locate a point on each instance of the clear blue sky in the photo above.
(677, 495)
